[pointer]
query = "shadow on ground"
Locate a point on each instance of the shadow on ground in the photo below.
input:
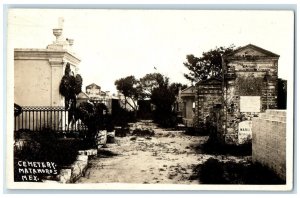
(191, 131)
(106, 153)
(214, 171)
(212, 147)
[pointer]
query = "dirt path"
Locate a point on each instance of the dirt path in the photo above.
(167, 157)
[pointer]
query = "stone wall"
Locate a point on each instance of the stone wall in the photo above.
(208, 96)
(269, 141)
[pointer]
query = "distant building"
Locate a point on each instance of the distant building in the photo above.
(93, 91)
(95, 95)
(81, 97)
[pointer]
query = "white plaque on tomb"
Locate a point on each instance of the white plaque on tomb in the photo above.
(249, 103)
(245, 131)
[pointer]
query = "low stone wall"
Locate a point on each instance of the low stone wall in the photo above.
(76, 170)
(269, 141)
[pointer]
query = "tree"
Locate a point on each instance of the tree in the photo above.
(149, 82)
(208, 65)
(156, 87)
(69, 87)
(128, 86)
(163, 98)
(176, 86)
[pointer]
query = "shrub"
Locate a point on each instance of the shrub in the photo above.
(95, 117)
(47, 146)
(166, 119)
(121, 117)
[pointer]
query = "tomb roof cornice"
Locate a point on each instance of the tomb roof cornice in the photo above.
(264, 53)
(44, 54)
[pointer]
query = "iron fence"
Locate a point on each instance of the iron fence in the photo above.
(39, 118)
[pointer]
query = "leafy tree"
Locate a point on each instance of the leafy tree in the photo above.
(156, 87)
(208, 65)
(151, 81)
(128, 86)
(69, 87)
(176, 86)
(163, 99)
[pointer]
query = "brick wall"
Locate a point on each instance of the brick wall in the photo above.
(269, 141)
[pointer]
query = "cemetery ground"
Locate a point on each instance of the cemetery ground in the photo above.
(160, 156)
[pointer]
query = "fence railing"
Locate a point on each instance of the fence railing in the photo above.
(39, 118)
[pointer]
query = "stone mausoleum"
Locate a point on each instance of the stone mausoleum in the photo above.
(208, 97)
(37, 76)
(38, 72)
(248, 87)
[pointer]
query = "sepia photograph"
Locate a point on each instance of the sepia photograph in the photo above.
(150, 99)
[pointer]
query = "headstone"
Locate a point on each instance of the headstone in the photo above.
(244, 132)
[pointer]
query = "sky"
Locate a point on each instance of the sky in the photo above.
(117, 43)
